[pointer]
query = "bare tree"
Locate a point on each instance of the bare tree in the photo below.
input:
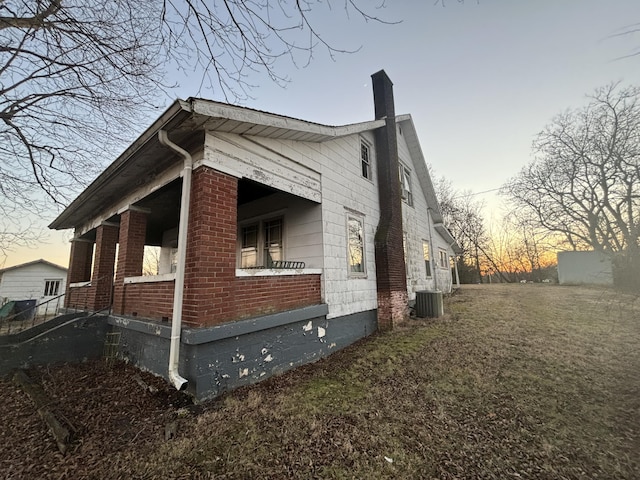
(463, 217)
(78, 76)
(585, 181)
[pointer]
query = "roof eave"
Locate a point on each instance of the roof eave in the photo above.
(175, 110)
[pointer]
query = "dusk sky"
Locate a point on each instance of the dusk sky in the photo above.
(479, 78)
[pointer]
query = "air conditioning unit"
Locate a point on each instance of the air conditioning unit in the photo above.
(429, 304)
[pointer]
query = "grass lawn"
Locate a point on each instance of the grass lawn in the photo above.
(517, 381)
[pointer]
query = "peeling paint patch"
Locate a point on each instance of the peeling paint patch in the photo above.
(237, 358)
(243, 372)
(333, 345)
(227, 375)
(308, 327)
(268, 358)
(321, 332)
(264, 351)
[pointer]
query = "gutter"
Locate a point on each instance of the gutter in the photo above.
(176, 320)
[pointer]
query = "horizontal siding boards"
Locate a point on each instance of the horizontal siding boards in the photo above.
(252, 160)
(28, 282)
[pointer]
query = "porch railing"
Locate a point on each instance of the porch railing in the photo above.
(280, 265)
(19, 319)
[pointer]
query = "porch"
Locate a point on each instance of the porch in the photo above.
(251, 250)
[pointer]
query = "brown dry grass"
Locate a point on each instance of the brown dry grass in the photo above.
(517, 381)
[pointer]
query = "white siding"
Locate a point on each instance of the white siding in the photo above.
(343, 190)
(418, 226)
(248, 157)
(302, 225)
(26, 283)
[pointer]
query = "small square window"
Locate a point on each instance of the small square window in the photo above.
(365, 160)
(51, 287)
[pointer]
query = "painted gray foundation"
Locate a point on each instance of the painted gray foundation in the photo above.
(220, 358)
(65, 339)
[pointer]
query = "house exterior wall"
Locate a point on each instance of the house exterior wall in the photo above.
(28, 282)
(343, 191)
(223, 357)
(577, 268)
(149, 300)
(302, 225)
(346, 192)
(418, 228)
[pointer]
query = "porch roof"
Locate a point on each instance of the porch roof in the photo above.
(145, 159)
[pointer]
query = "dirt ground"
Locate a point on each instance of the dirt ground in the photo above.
(516, 381)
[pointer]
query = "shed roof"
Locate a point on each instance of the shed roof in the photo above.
(34, 262)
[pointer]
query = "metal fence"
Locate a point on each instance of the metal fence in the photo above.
(17, 316)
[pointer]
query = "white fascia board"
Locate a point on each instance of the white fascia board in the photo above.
(246, 115)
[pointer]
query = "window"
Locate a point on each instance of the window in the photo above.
(405, 185)
(355, 246)
(261, 243)
(365, 160)
(444, 259)
(272, 242)
(51, 287)
(427, 259)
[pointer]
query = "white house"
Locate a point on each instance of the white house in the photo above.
(281, 239)
(38, 280)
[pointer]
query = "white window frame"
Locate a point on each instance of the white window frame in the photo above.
(365, 146)
(350, 216)
(444, 259)
(260, 222)
(49, 283)
(406, 187)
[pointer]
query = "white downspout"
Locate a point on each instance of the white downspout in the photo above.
(176, 320)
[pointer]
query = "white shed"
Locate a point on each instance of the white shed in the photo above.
(38, 280)
(587, 267)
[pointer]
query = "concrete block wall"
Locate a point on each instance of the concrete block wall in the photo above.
(223, 357)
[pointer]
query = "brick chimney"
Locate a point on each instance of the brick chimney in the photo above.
(390, 267)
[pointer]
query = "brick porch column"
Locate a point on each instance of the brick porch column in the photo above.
(133, 230)
(210, 269)
(390, 264)
(104, 266)
(79, 265)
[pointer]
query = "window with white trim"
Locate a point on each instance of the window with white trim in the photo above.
(427, 258)
(52, 287)
(261, 243)
(405, 185)
(365, 159)
(444, 259)
(355, 246)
